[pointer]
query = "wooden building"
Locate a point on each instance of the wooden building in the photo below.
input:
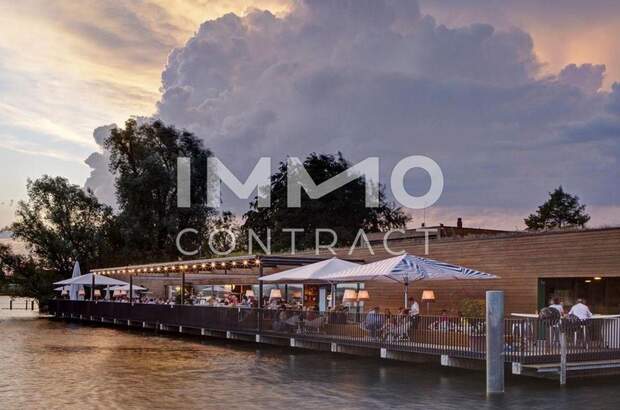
(533, 267)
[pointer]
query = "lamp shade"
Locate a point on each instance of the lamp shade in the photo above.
(64, 292)
(275, 294)
(350, 295)
(297, 294)
(428, 295)
(117, 292)
(363, 296)
(82, 292)
(249, 293)
(97, 293)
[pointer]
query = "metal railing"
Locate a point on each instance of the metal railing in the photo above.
(540, 340)
(458, 337)
(530, 340)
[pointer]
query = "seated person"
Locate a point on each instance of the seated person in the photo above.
(374, 322)
(557, 305)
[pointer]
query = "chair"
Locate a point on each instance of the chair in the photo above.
(551, 319)
(314, 325)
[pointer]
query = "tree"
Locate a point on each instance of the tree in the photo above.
(343, 210)
(23, 276)
(562, 210)
(61, 223)
(144, 162)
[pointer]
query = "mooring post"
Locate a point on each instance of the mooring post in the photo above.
(562, 358)
(11, 304)
(495, 341)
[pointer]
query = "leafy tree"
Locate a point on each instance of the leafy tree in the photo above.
(5, 265)
(561, 210)
(343, 210)
(61, 223)
(144, 161)
(23, 276)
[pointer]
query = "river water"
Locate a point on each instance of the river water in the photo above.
(47, 364)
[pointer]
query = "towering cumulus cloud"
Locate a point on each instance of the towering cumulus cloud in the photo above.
(381, 78)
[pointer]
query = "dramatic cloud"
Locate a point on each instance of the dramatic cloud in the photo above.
(382, 78)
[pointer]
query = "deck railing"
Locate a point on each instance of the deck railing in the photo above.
(534, 340)
(526, 340)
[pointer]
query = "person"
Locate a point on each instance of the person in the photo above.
(556, 304)
(414, 307)
(374, 322)
(414, 313)
(581, 310)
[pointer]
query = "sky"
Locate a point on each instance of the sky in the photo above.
(511, 98)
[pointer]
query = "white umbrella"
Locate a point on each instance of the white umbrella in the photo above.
(404, 269)
(88, 280)
(126, 287)
(74, 291)
(61, 288)
(310, 273)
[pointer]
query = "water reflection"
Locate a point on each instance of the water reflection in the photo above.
(47, 364)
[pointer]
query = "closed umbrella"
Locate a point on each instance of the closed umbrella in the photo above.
(75, 289)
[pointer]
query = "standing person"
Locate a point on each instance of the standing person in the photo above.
(581, 310)
(557, 305)
(414, 307)
(414, 313)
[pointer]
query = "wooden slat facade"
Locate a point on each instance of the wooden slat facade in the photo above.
(520, 260)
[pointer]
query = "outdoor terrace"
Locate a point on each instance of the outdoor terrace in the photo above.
(532, 346)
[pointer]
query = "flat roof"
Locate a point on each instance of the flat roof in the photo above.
(216, 264)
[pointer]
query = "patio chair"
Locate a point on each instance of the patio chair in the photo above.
(551, 317)
(397, 331)
(579, 329)
(314, 325)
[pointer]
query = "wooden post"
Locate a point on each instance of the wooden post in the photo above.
(92, 288)
(562, 358)
(183, 287)
(260, 286)
(495, 341)
(130, 289)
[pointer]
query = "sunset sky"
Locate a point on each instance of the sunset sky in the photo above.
(494, 103)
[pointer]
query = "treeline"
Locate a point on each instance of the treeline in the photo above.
(61, 222)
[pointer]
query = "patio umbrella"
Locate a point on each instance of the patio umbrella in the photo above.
(87, 280)
(126, 287)
(75, 289)
(406, 268)
(310, 273)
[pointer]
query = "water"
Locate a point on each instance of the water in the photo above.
(47, 365)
